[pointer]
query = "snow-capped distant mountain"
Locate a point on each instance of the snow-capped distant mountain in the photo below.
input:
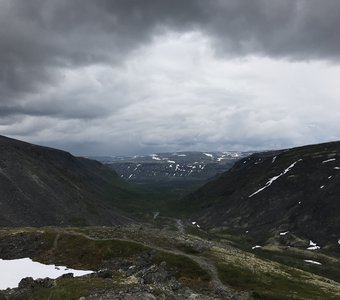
(172, 166)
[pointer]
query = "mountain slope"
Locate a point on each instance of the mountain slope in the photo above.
(295, 191)
(45, 186)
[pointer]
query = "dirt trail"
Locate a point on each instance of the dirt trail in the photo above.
(205, 263)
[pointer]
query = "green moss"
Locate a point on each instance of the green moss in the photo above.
(79, 251)
(185, 269)
(188, 249)
(265, 285)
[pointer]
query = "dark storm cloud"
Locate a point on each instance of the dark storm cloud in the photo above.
(297, 29)
(39, 37)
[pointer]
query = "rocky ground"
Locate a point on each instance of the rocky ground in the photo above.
(155, 262)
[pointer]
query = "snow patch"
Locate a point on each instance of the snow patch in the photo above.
(328, 160)
(312, 262)
(256, 247)
(321, 187)
(12, 271)
(208, 154)
(273, 160)
(193, 223)
(284, 233)
(313, 246)
(155, 157)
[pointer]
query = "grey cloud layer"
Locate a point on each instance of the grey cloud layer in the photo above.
(44, 44)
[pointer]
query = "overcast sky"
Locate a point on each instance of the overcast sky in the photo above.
(108, 77)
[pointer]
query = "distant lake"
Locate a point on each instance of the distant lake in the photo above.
(12, 271)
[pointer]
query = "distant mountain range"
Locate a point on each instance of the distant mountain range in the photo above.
(178, 164)
(172, 173)
(289, 196)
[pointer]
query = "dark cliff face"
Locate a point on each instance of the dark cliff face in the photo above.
(295, 190)
(44, 186)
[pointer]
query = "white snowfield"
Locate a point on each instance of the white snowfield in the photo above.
(271, 180)
(208, 154)
(12, 271)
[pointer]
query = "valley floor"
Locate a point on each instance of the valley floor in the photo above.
(171, 259)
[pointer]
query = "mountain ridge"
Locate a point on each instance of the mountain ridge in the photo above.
(269, 193)
(45, 186)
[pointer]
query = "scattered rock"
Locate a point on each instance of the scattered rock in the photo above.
(67, 275)
(30, 283)
(26, 283)
(2, 296)
(105, 273)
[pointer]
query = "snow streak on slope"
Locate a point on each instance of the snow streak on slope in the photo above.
(271, 180)
(328, 160)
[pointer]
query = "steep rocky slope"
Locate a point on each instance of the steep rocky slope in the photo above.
(289, 196)
(44, 186)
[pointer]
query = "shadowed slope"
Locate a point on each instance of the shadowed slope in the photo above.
(295, 190)
(45, 186)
